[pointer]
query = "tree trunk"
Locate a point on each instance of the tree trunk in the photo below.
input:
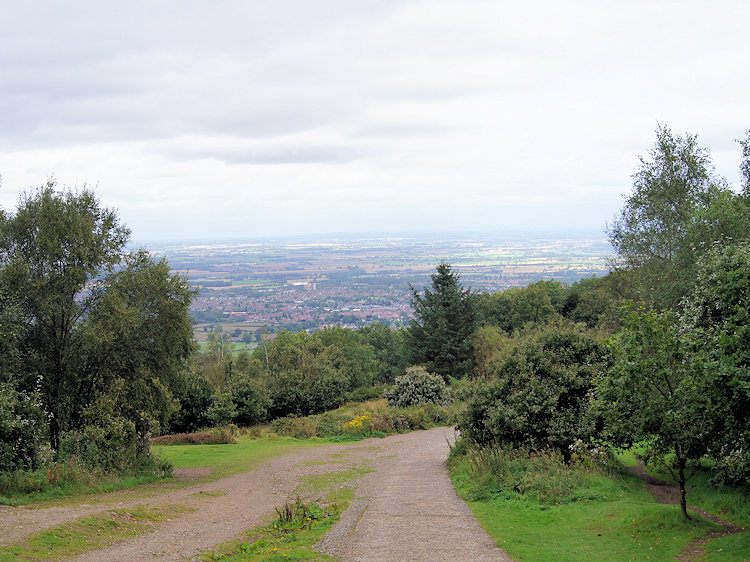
(54, 432)
(143, 434)
(682, 483)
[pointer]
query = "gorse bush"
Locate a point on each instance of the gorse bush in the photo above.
(418, 386)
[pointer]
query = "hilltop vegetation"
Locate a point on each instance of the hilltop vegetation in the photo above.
(98, 354)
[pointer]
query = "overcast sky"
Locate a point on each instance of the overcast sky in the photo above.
(238, 119)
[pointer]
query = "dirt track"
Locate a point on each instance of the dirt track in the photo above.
(407, 509)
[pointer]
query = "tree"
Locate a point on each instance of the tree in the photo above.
(51, 252)
(654, 394)
(439, 336)
(674, 215)
(94, 321)
(715, 325)
(745, 163)
(390, 349)
(652, 231)
(143, 335)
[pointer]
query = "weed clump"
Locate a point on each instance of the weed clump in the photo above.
(522, 474)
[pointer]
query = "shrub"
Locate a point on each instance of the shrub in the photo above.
(195, 398)
(251, 402)
(106, 440)
(540, 393)
(110, 447)
(222, 410)
(365, 393)
(304, 393)
(21, 430)
(418, 386)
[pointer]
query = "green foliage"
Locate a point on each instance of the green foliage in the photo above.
(251, 402)
(542, 477)
(416, 387)
(440, 334)
(488, 341)
(390, 349)
(314, 373)
(539, 393)
(512, 309)
(676, 211)
(654, 394)
(222, 410)
(22, 430)
(376, 419)
(194, 394)
(50, 250)
(715, 324)
(143, 335)
(86, 321)
(108, 442)
(299, 525)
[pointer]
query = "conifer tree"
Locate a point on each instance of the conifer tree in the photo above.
(440, 334)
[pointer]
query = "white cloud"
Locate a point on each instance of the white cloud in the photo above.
(238, 119)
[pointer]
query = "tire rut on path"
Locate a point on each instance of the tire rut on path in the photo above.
(409, 510)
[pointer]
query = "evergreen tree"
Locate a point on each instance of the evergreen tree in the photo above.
(440, 334)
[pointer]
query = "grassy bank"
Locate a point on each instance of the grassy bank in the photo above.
(538, 508)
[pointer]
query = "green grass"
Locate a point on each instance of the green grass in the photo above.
(82, 484)
(538, 512)
(87, 533)
(228, 459)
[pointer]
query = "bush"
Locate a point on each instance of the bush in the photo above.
(195, 399)
(251, 402)
(21, 430)
(299, 393)
(222, 410)
(111, 447)
(418, 386)
(540, 393)
(365, 393)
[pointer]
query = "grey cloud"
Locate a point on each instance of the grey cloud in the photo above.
(273, 155)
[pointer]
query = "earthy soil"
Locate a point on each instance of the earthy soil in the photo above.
(407, 508)
(669, 493)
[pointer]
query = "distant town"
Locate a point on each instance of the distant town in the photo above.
(250, 288)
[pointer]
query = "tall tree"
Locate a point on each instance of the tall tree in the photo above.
(52, 250)
(715, 324)
(676, 212)
(440, 334)
(143, 335)
(93, 320)
(652, 232)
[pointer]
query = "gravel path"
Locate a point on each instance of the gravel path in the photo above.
(407, 508)
(410, 511)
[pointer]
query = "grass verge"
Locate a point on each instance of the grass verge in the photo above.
(88, 533)
(537, 508)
